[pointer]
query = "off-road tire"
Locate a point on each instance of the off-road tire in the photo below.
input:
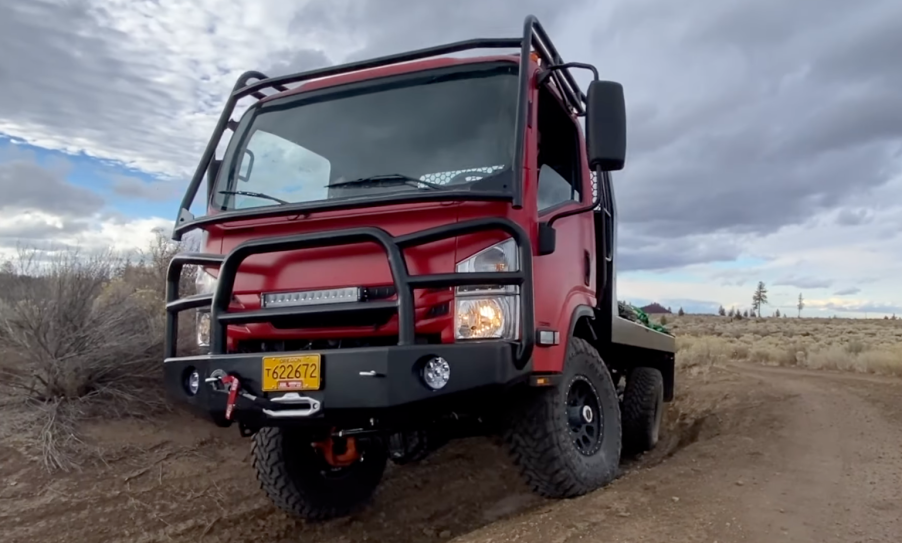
(291, 473)
(539, 438)
(642, 409)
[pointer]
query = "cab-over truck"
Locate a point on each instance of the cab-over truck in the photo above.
(406, 250)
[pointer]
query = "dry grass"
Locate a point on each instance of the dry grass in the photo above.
(857, 345)
(81, 336)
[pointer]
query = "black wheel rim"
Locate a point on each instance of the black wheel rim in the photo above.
(584, 416)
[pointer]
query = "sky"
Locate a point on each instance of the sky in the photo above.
(765, 136)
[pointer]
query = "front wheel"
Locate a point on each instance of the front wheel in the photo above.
(566, 439)
(299, 480)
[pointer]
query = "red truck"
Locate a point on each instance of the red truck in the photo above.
(407, 250)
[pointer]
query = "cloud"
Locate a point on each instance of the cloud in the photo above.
(758, 129)
(855, 306)
(135, 82)
(137, 189)
(691, 306)
(847, 291)
(804, 282)
(46, 233)
(765, 130)
(28, 187)
(854, 217)
(41, 209)
(648, 252)
(297, 61)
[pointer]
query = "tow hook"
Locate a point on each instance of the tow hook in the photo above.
(230, 384)
(221, 381)
(338, 452)
(233, 384)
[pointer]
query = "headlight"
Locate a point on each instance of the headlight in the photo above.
(501, 257)
(487, 317)
(204, 282)
(491, 311)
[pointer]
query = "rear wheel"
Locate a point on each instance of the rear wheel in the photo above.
(566, 439)
(643, 407)
(300, 480)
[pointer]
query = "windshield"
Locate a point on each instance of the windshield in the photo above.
(444, 129)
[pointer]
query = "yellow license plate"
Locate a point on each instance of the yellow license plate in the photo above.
(288, 373)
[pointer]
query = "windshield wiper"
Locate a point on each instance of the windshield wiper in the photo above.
(386, 179)
(254, 195)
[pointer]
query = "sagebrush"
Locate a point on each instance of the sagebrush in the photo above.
(860, 345)
(81, 335)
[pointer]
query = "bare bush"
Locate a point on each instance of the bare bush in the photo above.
(81, 335)
(61, 340)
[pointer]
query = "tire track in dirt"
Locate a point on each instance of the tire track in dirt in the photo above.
(841, 477)
(814, 458)
(748, 454)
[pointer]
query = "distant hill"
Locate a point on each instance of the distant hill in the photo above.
(656, 309)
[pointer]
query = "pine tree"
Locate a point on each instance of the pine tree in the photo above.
(759, 298)
(732, 312)
(745, 313)
(801, 305)
(777, 313)
(723, 312)
(681, 312)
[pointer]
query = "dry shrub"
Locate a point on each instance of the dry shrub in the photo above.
(81, 335)
(859, 345)
(882, 362)
(62, 340)
(697, 355)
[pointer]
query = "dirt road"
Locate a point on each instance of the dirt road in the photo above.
(750, 454)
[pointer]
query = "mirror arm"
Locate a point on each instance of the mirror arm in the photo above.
(577, 211)
(543, 76)
(566, 66)
(212, 173)
(546, 228)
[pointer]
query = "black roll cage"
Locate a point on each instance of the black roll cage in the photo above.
(534, 38)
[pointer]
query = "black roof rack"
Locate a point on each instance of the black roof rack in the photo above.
(534, 38)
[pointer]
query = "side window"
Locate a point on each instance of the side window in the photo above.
(558, 160)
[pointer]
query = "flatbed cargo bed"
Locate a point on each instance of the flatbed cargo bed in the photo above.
(635, 334)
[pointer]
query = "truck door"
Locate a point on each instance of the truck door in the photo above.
(565, 278)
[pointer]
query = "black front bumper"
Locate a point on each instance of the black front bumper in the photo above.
(357, 384)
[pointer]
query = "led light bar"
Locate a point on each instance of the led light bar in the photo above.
(312, 297)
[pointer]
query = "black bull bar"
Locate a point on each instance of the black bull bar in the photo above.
(228, 264)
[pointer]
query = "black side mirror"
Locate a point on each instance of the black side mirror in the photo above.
(250, 166)
(606, 126)
(547, 239)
